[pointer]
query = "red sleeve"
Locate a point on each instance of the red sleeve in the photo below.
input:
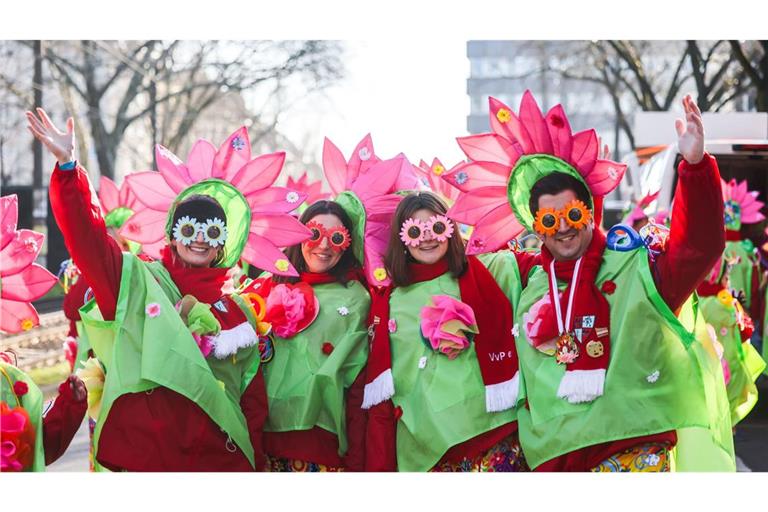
(61, 423)
(697, 234)
(94, 252)
(255, 409)
(380, 442)
(357, 418)
(525, 262)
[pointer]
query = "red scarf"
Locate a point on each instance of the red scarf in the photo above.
(584, 378)
(494, 343)
(211, 285)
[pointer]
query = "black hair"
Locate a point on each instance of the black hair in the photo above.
(555, 183)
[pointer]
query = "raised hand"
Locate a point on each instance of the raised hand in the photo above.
(690, 141)
(79, 392)
(60, 144)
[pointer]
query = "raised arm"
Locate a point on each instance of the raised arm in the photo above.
(697, 234)
(77, 214)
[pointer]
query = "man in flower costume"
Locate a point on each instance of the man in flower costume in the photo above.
(182, 388)
(612, 380)
(729, 298)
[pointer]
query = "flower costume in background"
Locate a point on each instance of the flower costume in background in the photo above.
(730, 293)
(21, 280)
(619, 370)
(312, 189)
(183, 389)
(27, 440)
(430, 176)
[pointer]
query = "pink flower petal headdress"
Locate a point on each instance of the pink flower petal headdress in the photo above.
(21, 280)
(505, 164)
(365, 187)
(258, 220)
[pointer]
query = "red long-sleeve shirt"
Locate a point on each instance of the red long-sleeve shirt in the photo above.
(161, 430)
(696, 241)
(60, 423)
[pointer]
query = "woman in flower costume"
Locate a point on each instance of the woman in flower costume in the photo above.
(443, 348)
(730, 294)
(320, 346)
(182, 390)
(612, 379)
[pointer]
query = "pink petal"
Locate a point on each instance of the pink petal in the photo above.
(9, 216)
(406, 177)
(13, 313)
(334, 167)
(30, 284)
(154, 250)
(605, 176)
(109, 195)
(478, 175)
(172, 169)
(200, 161)
(473, 206)
(584, 152)
(356, 164)
(494, 230)
(489, 147)
(232, 155)
(374, 259)
(152, 190)
(533, 120)
(126, 197)
(282, 230)
(273, 199)
(21, 252)
(381, 178)
(259, 173)
(559, 132)
(262, 253)
(145, 226)
(513, 130)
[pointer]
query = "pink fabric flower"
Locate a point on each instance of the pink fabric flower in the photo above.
(152, 310)
(204, 342)
(540, 325)
(447, 323)
(392, 325)
(291, 303)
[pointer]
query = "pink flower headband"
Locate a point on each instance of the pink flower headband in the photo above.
(414, 231)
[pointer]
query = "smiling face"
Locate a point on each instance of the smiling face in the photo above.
(198, 253)
(567, 243)
(429, 250)
(322, 258)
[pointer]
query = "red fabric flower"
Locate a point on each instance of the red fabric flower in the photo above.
(398, 412)
(327, 348)
(20, 388)
(608, 287)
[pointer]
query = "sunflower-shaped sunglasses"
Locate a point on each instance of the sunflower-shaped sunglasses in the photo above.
(338, 237)
(187, 228)
(414, 231)
(575, 213)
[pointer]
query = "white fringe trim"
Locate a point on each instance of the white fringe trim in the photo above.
(502, 396)
(380, 389)
(229, 341)
(579, 386)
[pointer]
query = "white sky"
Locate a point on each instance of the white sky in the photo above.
(410, 97)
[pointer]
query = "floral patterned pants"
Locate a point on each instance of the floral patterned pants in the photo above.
(504, 456)
(646, 458)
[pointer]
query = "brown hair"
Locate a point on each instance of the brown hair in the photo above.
(293, 253)
(398, 257)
